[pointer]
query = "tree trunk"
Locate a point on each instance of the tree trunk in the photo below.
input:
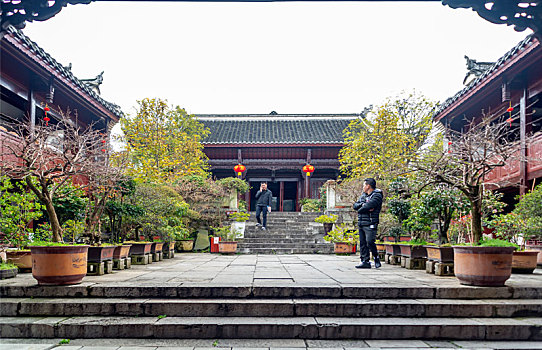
(53, 219)
(476, 220)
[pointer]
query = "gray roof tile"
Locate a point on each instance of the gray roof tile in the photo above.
(270, 129)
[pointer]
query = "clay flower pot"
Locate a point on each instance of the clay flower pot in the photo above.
(156, 247)
(121, 251)
(101, 253)
(227, 247)
(440, 254)
(412, 251)
(393, 249)
(344, 248)
(328, 226)
(21, 258)
(185, 245)
(140, 248)
(483, 266)
(524, 262)
(59, 265)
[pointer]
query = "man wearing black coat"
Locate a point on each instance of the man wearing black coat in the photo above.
(263, 204)
(368, 207)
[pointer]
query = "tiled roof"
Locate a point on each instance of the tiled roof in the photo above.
(529, 40)
(18, 35)
(275, 129)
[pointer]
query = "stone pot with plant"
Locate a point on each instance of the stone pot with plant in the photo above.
(344, 237)
(7, 270)
(327, 221)
(239, 223)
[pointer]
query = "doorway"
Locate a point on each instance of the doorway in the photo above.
(284, 195)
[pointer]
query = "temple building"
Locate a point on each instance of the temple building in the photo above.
(31, 80)
(512, 85)
(275, 148)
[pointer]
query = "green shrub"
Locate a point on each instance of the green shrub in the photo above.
(342, 233)
(326, 219)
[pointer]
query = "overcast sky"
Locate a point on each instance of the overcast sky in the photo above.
(290, 57)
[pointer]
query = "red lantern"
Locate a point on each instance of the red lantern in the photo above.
(509, 109)
(46, 109)
(239, 168)
(308, 169)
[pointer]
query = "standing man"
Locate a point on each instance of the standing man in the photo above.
(263, 205)
(368, 207)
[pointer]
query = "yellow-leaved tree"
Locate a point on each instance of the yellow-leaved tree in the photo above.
(163, 143)
(383, 143)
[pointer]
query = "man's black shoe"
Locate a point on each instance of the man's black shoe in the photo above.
(364, 265)
(377, 263)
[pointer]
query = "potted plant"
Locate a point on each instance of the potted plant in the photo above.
(7, 270)
(328, 221)
(18, 208)
(529, 209)
(239, 223)
(227, 243)
(510, 227)
(344, 237)
(414, 249)
(233, 187)
(472, 155)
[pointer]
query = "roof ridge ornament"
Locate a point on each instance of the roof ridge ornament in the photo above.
(94, 83)
(475, 69)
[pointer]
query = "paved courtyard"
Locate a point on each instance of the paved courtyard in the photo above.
(203, 269)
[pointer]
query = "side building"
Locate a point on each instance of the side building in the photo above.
(31, 80)
(511, 89)
(274, 148)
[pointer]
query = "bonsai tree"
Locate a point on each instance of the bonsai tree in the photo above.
(326, 219)
(48, 155)
(470, 157)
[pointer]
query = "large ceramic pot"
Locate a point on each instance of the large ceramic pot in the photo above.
(227, 247)
(412, 251)
(8, 273)
(524, 262)
(21, 258)
(393, 249)
(185, 245)
(168, 246)
(533, 245)
(483, 266)
(121, 251)
(380, 247)
(440, 254)
(99, 254)
(140, 248)
(59, 265)
(344, 248)
(156, 247)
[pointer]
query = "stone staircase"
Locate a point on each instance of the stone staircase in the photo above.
(287, 233)
(266, 312)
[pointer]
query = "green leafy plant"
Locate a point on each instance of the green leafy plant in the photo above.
(415, 242)
(529, 209)
(18, 208)
(239, 216)
(234, 183)
(64, 341)
(72, 230)
(7, 266)
(342, 233)
(225, 233)
(490, 242)
(161, 316)
(326, 219)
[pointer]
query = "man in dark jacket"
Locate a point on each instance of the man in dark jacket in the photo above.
(368, 207)
(263, 204)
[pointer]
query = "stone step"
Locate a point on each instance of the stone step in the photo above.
(295, 245)
(275, 240)
(270, 307)
(274, 291)
(285, 251)
(525, 328)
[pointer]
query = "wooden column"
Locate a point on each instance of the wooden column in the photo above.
(523, 143)
(31, 106)
(307, 186)
(281, 196)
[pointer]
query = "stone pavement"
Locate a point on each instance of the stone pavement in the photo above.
(312, 270)
(259, 344)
